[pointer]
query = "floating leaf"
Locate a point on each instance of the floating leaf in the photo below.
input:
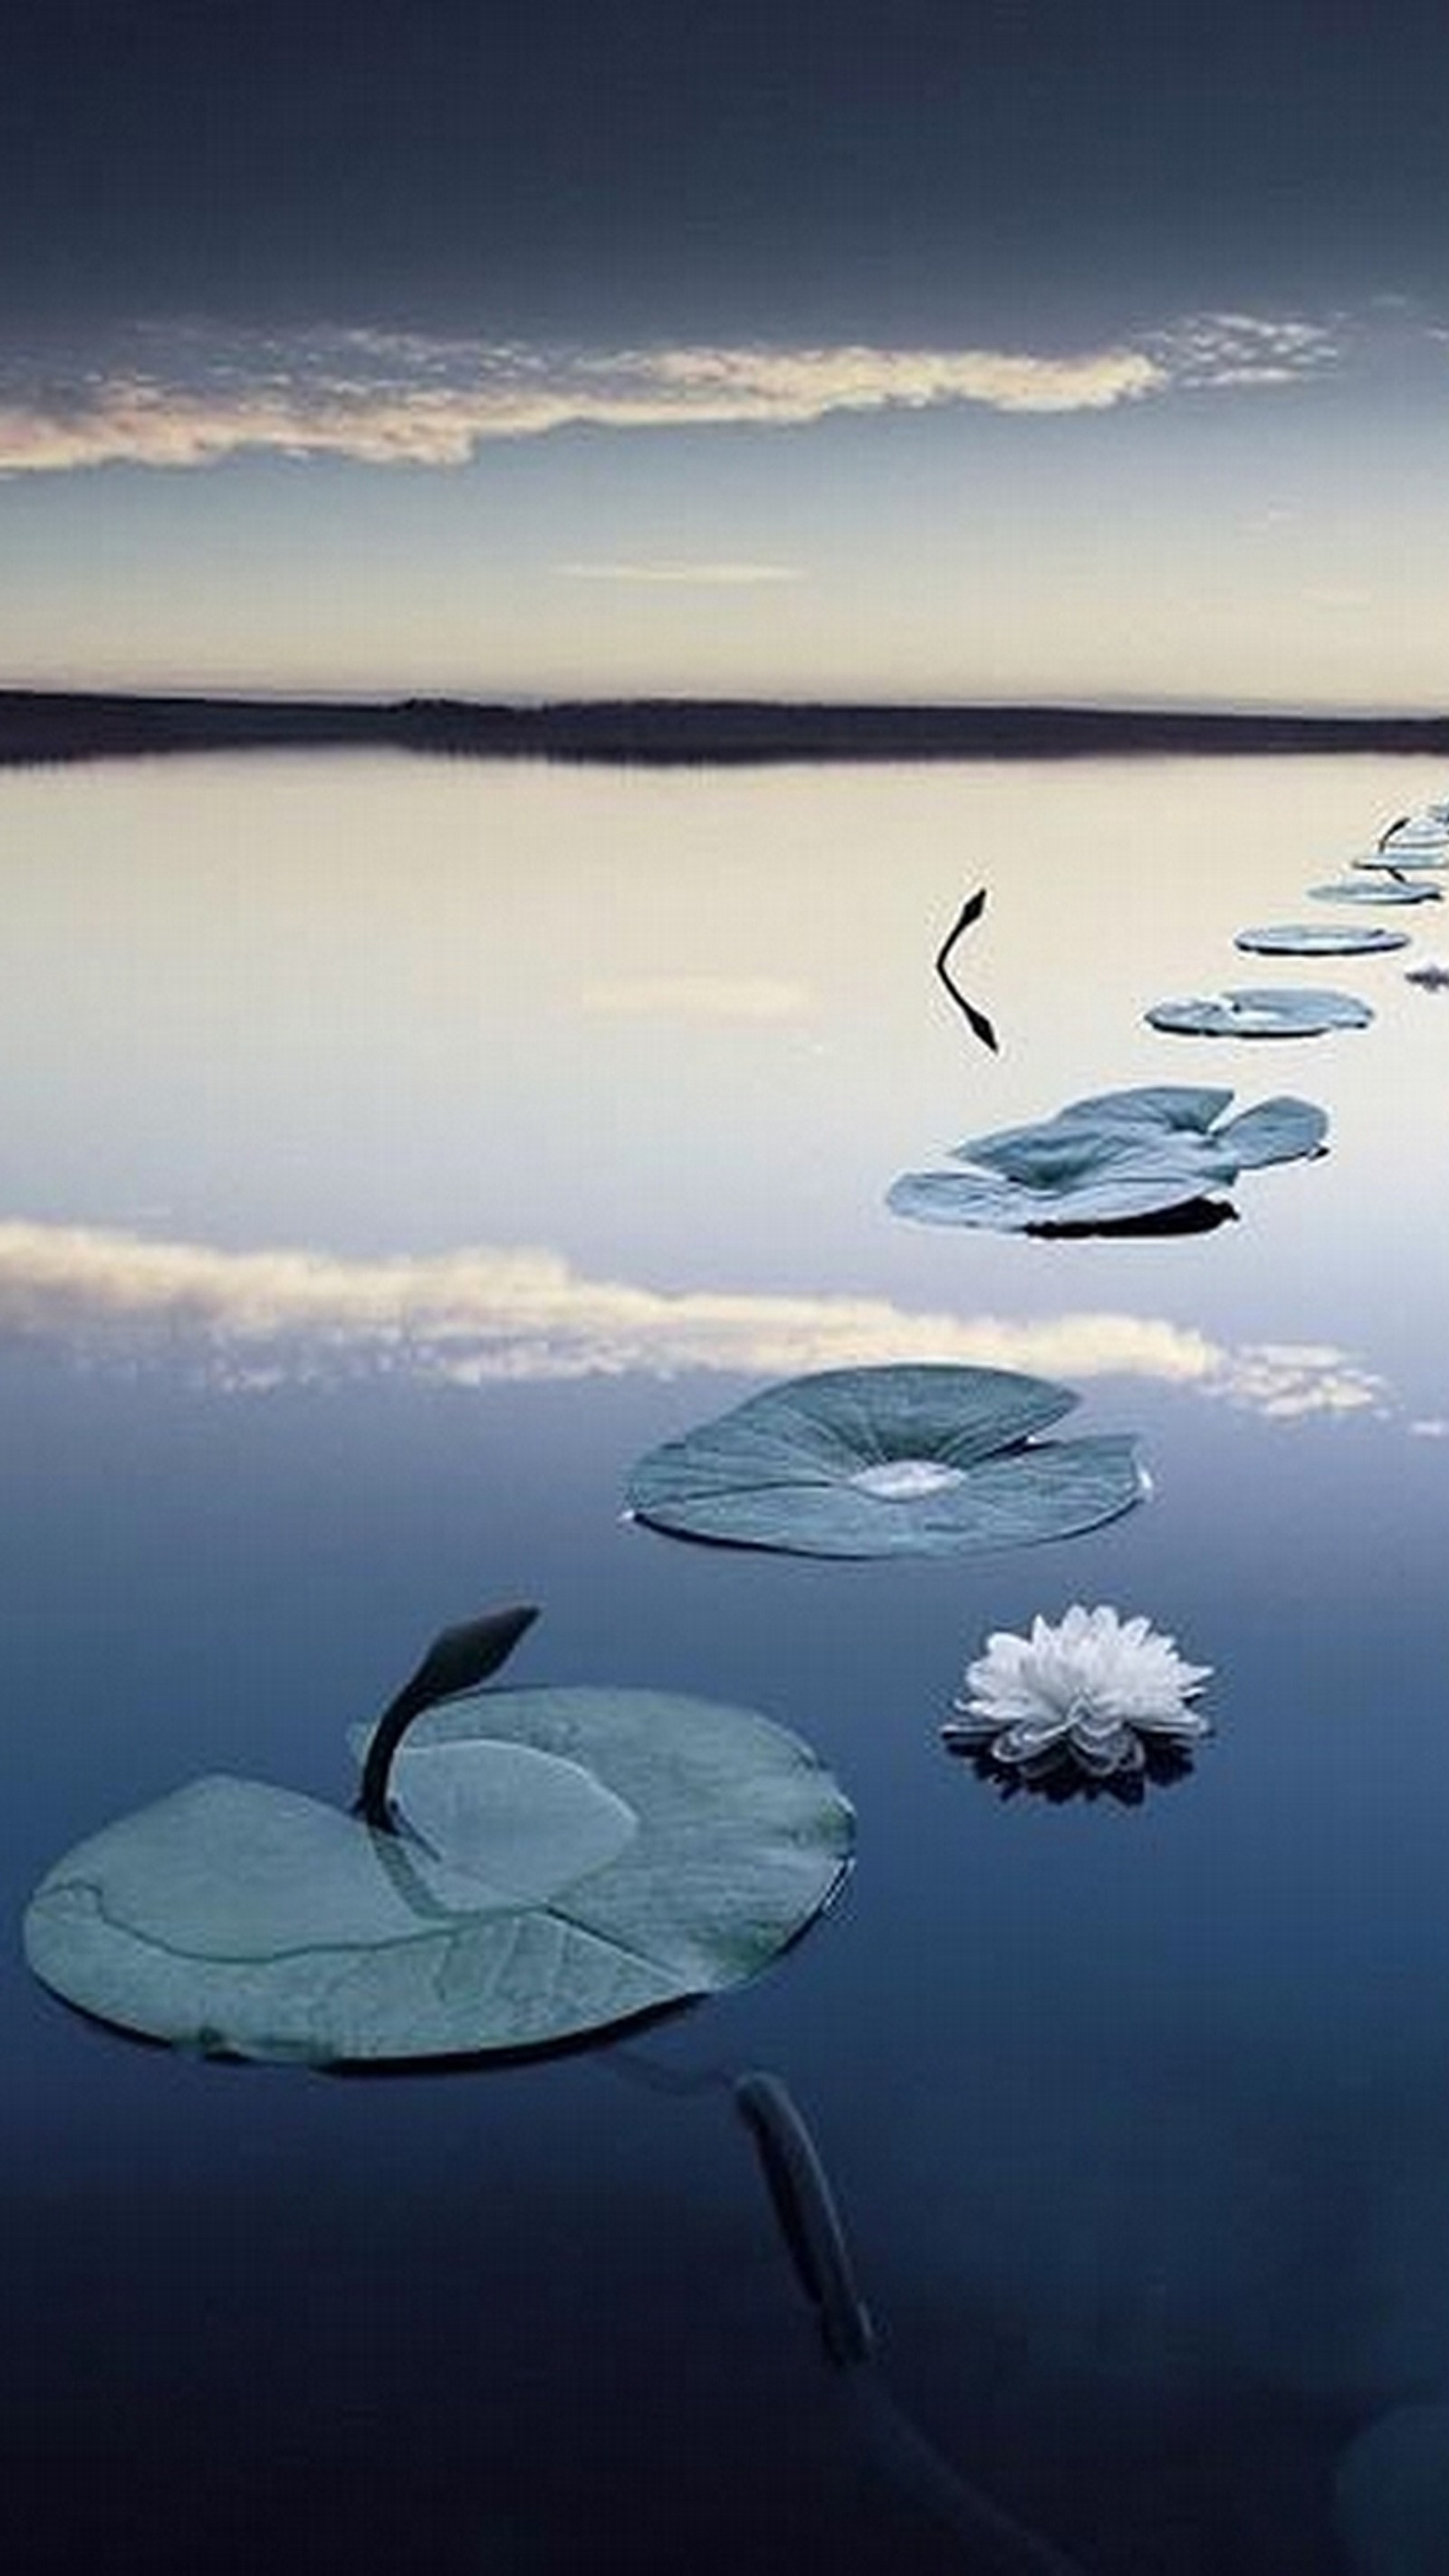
(1414, 832)
(1385, 888)
(1261, 1012)
(1106, 1188)
(1320, 939)
(1406, 855)
(564, 1859)
(1176, 1106)
(1282, 1130)
(916, 1460)
(1109, 1159)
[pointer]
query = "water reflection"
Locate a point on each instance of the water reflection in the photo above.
(1061, 1784)
(250, 1321)
(1172, 2251)
(1190, 1216)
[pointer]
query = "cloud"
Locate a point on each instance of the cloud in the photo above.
(709, 576)
(169, 397)
(1222, 351)
(804, 384)
(483, 1314)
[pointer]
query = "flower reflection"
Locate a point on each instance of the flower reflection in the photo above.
(1061, 1784)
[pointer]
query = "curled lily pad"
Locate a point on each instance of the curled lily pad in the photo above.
(1320, 939)
(1382, 889)
(556, 1861)
(916, 1460)
(1108, 1159)
(1263, 1011)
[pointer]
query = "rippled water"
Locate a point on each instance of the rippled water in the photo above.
(395, 1150)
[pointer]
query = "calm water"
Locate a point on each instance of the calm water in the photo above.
(580, 1092)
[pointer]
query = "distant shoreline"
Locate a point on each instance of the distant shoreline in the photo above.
(40, 726)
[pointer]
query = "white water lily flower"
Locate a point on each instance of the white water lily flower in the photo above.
(1088, 1690)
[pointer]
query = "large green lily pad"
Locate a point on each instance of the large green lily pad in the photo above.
(558, 1861)
(1106, 1160)
(916, 1460)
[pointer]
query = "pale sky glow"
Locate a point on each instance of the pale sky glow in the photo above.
(559, 354)
(1185, 518)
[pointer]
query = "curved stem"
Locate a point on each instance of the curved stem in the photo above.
(971, 911)
(809, 2220)
(456, 1662)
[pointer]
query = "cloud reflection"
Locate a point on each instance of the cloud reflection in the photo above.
(487, 1314)
(697, 997)
(677, 573)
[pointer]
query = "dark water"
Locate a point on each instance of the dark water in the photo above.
(582, 1094)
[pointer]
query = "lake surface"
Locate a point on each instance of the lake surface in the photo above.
(580, 1091)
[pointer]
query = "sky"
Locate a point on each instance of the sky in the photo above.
(952, 349)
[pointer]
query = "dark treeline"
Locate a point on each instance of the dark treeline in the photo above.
(54, 725)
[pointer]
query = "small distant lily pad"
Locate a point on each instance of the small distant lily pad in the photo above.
(1416, 832)
(1367, 890)
(1261, 1012)
(557, 1861)
(1109, 1159)
(1320, 939)
(915, 1460)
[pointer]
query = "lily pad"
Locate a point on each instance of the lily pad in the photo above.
(917, 1460)
(1320, 939)
(1108, 1159)
(1399, 856)
(1415, 832)
(557, 1861)
(1261, 1012)
(1368, 890)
